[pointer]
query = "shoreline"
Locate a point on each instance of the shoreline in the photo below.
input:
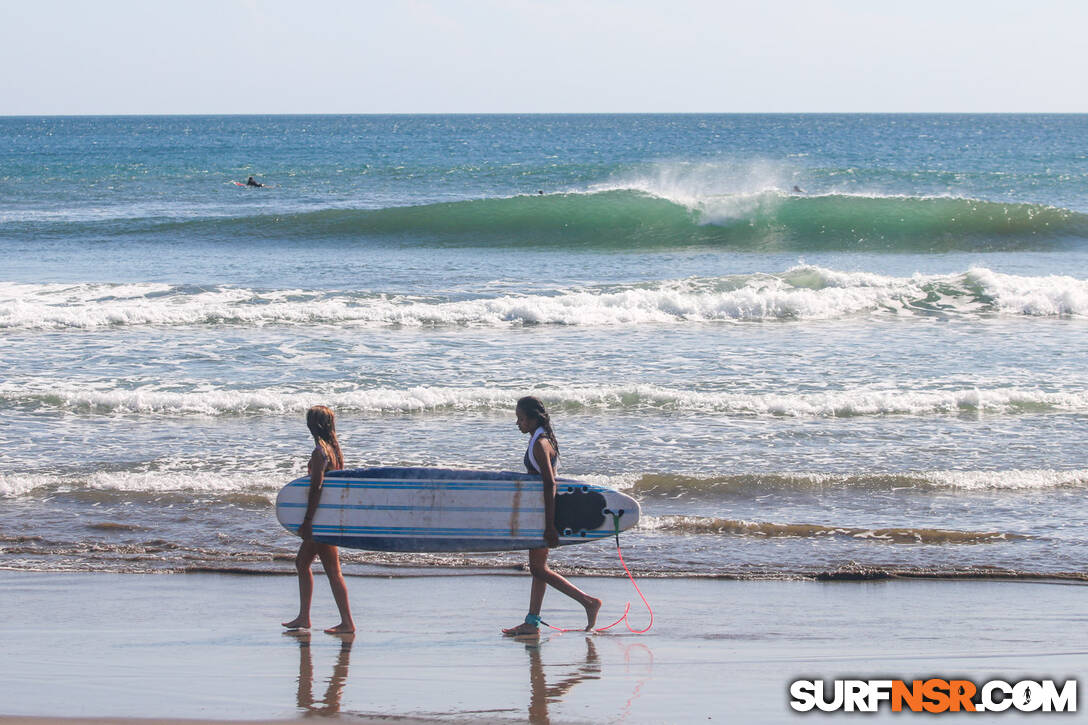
(208, 647)
(845, 574)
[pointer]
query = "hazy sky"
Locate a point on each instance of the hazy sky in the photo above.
(434, 56)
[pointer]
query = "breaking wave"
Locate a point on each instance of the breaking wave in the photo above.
(668, 485)
(630, 217)
(259, 488)
(246, 488)
(803, 292)
(202, 399)
(732, 527)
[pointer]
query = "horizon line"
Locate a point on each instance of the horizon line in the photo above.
(546, 113)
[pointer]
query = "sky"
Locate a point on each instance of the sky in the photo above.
(538, 56)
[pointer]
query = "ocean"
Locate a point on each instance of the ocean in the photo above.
(812, 346)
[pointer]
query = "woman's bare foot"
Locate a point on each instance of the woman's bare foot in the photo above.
(592, 607)
(341, 629)
(298, 623)
(345, 637)
(522, 630)
(302, 635)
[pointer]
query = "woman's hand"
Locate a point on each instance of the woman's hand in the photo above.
(306, 531)
(551, 537)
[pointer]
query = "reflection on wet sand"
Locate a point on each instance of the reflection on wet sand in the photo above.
(646, 675)
(638, 661)
(330, 704)
(547, 686)
(542, 694)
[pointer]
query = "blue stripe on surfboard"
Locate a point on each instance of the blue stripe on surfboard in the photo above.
(448, 485)
(415, 531)
(436, 533)
(413, 486)
(376, 507)
(435, 474)
(417, 544)
(428, 483)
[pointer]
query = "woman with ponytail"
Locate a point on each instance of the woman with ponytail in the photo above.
(542, 457)
(326, 456)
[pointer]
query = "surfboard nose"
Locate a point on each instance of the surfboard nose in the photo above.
(629, 512)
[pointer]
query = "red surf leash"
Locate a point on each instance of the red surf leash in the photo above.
(627, 609)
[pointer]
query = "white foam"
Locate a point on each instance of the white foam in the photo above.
(17, 484)
(266, 483)
(1012, 480)
(205, 400)
(618, 482)
(166, 481)
(208, 482)
(804, 292)
(1038, 296)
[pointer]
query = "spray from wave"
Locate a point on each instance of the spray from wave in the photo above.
(758, 203)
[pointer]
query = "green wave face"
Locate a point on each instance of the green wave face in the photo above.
(626, 219)
(911, 223)
(617, 219)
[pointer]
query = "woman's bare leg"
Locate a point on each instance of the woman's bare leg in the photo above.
(538, 565)
(330, 559)
(536, 594)
(305, 557)
(542, 577)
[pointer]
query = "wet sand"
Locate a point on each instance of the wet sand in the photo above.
(209, 647)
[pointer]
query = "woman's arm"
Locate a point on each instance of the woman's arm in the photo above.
(542, 452)
(316, 469)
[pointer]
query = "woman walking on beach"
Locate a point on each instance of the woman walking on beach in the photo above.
(325, 457)
(541, 457)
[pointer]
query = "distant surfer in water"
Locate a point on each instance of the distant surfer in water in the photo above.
(253, 182)
(326, 456)
(541, 457)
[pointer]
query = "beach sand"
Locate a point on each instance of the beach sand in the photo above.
(209, 647)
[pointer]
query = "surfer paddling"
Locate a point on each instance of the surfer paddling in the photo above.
(325, 457)
(541, 457)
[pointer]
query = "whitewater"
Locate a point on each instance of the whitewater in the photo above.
(812, 346)
(801, 292)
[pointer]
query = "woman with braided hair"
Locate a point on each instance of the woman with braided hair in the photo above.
(326, 456)
(542, 456)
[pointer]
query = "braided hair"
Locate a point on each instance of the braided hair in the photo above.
(533, 408)
(322, 424)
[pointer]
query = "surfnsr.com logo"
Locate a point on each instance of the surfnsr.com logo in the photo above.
(933, 695)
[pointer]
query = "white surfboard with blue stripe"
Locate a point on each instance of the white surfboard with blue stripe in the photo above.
(439, 509)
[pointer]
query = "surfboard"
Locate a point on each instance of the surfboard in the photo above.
(445, 510)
